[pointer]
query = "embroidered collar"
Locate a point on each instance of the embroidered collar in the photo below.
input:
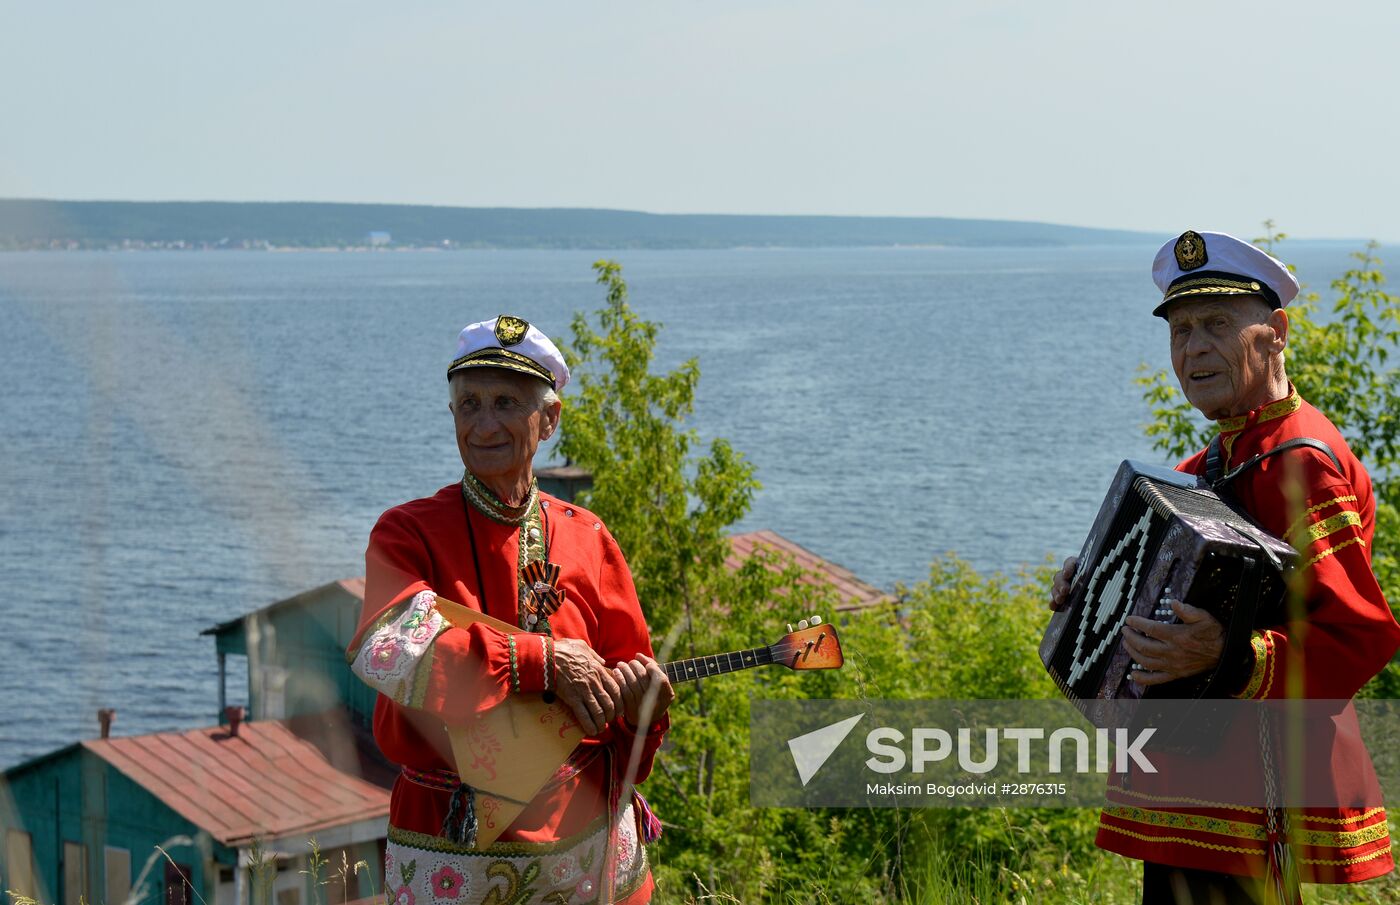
(1269, 412)
(489, 505)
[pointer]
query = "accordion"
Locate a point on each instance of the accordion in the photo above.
(1160, 533)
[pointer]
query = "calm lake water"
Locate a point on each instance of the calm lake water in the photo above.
(188, 436)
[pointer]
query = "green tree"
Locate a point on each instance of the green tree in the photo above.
(670, 503)
(1341, 362)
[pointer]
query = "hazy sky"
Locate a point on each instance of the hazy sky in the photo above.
(1160, 116)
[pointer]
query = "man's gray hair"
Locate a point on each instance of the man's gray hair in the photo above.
(544, 394)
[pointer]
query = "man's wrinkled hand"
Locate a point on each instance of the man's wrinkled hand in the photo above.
(1059, 588)
(646, 692)
(1167, 652)
(585, 684)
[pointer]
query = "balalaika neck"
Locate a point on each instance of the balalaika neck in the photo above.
(701, 667)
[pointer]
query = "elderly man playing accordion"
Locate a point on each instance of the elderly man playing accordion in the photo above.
(495, 544)
(1223, 301)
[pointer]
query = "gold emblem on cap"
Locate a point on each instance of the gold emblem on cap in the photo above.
(1190, 250)
(510, 330)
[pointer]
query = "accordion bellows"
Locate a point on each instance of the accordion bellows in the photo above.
(1160, 533)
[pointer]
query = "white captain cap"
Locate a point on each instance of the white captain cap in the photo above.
(511, 343)
(1205, 263)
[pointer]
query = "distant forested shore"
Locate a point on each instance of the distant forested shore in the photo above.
(76, 225)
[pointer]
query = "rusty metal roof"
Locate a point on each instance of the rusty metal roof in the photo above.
(855, 593)
(264, 782)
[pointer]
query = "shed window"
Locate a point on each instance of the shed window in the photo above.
(75, 891)
(118, 875)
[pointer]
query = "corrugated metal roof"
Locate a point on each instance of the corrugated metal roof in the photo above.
(856, 593)
(264, 782)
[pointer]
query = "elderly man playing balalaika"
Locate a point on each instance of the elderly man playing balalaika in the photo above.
(560, 617)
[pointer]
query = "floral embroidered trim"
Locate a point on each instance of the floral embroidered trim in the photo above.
(1319, 507)
(1196, 823)
(1341, 838)
(422, 676)
(564, 872)
(1200, 824)
(480, 496)
(1331, 550)
(394, 657)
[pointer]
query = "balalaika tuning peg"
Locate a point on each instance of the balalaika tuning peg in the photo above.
(816, 620)
(789, 628)
(801, 625)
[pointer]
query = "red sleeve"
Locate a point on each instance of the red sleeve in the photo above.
(406, 650)
(1339, 631)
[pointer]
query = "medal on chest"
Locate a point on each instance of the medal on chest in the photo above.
(540, 594)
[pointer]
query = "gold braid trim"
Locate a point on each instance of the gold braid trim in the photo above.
(423, 672)
(1148, 837)
(1271, 646)
(1174, 799)
(1145, 837)
(1198, 823)
(1282, 407)
(1315, 532)
(1339, 820)
(1270, 412)
(1201, 802)
(1293, 528)
(1261, 665)
(1370, 856)
(1230, 425)
(530, 547)
(1331, 550)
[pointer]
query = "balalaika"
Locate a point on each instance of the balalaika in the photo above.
(1160, 534)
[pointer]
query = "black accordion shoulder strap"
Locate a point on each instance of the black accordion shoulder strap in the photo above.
(1214, 460)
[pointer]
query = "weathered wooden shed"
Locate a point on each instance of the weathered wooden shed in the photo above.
(292, 655)
(223, 815)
